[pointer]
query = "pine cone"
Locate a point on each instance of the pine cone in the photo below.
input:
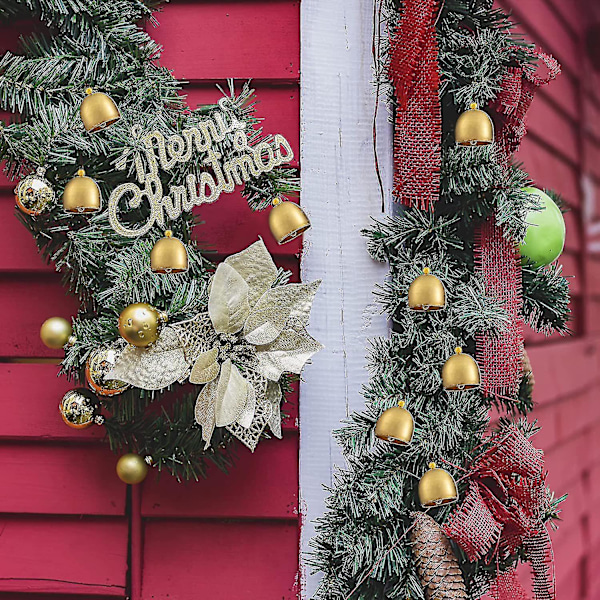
(438, 568)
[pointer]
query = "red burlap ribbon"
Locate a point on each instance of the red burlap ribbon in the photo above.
(503, 512)
(414, 72)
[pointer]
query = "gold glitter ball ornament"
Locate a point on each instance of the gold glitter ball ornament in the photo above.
(55, 332)
(132, 468)
(426, 293)
(140, 324)
(287, 221)
(34, 194)
(460, 372)
(78, 408)
(395, 425)
(474, 128)
(437, 487)
(81, 195)
(169, 255)
(98, 111)
(100, 362)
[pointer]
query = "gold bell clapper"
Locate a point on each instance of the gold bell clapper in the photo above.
(426, 293)
(395, 425)
(81, 195)
(474, 128)
(437, 487)
(98, 111)
(460, 372)
(169, 255)
(287, 221)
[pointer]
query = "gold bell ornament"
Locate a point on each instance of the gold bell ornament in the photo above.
(55, 332)
(287, 221)
(34, 194)
(395, 425)
(169, 255)
(79, 409)
(426, 293)
(132, 468)
(140, 324)
(437, 487)
(81, 195)
(474, 128)
(100, 362)
(98, 111)
(460, 372)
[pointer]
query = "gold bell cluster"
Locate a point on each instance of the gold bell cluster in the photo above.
(169, 255)
(287, 221)
(98, 111)
(474, 127)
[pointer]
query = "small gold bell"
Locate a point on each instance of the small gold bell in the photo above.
(460, 372)
(426, 293)
(395, 425)
(437, 487)
(98, 111)
(474, 128)
(287, 221)
(169, 255)
(81, 195)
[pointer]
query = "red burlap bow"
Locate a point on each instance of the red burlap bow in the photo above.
(503, 512)
(414, 72)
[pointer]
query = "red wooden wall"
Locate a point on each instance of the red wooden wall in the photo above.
(68, 527)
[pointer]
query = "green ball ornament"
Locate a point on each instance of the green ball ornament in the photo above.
(545, 237)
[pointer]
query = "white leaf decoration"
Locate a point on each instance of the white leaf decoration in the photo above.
(245, 419)
(232, 394)
(204, 411)
(228, 300)
(205, 368)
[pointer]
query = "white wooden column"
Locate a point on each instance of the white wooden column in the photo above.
(340, 193)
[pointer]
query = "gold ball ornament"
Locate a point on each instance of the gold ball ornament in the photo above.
(169, 255)
(81, 195)
(55, 332)
(34, 193)
(426, 293)
(78, 408)
(98, 111)
(132, 468)
(460, 372)
(97, 367)
(395, 425)
(140, 324)
(474, 127)
(287, 221)
(437, 487)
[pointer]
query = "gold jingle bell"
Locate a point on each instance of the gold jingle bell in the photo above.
(55, 332)
(460, 372)
(81, 195)
(395, 425)
(169, 255)
(98, 111)
(132, 468)
(140, 324)
(437, 487)
(287, 221)
(426, 293)
(474, 128)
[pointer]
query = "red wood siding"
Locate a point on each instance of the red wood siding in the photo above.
(68, 527)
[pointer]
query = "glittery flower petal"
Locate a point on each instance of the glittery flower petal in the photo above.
(228, 300)
(205, 368)
(288, 353)
(155, 367)
(278, 306)
(245, 420)
(204, 411)
(232, 394)
(256, 266)
(274, 396)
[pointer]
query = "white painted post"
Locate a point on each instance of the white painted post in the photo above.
(340, 193)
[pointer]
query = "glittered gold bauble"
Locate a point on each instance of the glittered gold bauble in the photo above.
(132, 468)
(34, 194)
(55, 332)
(98, 111)
(474, 128)
(98, 365)
(78, 408)
(140, 324)
(287, 221)
(169, 255)
(460, 372)
(81, 195)
(395, 425)
(426, 293)
(437, 487)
